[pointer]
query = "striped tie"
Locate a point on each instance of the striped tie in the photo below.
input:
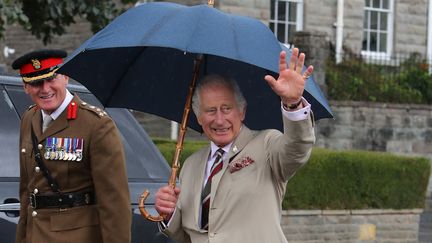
(205, 196)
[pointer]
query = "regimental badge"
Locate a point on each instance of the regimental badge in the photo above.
(36, 64)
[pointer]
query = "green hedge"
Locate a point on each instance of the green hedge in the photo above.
(167, 148)
(358, 180)
(345, 179)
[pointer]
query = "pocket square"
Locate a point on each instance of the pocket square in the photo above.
(240, 164)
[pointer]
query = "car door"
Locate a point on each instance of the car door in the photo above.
(146, 167)
(9, 172)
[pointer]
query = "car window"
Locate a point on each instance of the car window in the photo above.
(148, 163)
(19, 98)
(9, 128)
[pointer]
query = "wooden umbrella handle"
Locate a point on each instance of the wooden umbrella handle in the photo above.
(146, 193)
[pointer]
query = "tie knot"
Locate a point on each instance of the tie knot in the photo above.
(220, 152)
(46, 121)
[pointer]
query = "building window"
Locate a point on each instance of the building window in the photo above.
(139, 2)
(377, 28)
(286, 17)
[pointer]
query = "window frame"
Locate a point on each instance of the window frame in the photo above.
(275, 21)
(382, 55)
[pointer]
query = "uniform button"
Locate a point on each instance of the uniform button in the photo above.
(92, 107)
(23, 150)
(212, 235)
(34, 213)
(84, 103)
(35, 191)
(37, 169)
(40, 146)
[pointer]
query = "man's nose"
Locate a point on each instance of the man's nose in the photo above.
(44, 85)
(219, 117)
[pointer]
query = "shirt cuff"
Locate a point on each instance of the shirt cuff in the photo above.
(300, 114)
(163, 225)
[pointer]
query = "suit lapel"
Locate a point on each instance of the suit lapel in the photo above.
(56, 126)
(239, 143)
(198, 184)
(36, 123)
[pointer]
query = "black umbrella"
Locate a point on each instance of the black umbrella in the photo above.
(146, 58)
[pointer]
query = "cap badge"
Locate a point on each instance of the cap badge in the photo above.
(36, 64)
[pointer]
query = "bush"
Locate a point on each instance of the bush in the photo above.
(358, 180)
(354, 79)
(167, 148)
(345, 179)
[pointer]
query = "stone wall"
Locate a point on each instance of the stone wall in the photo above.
(410, 26)
(316, 226)
(21, 41)
(403, 129)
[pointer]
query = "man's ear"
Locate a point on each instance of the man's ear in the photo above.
(243, 114)
(25, 88)
(66, 78)
(199, 120)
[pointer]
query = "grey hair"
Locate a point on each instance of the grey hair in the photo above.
(211, 79)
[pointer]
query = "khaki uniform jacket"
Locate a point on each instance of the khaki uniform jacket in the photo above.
(245, 203)
(101, 169)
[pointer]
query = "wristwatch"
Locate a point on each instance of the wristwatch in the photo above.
(293, 106)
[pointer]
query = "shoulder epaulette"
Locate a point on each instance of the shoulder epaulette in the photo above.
(96, 110)
(31, 106)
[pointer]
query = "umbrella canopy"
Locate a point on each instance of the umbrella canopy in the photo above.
(144, 61)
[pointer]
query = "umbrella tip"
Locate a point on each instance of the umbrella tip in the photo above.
(210, 3)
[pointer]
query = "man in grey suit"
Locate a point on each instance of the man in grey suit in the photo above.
(232, 190)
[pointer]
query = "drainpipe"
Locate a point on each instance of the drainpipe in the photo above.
(339, 30)
(174, 130)
(429, 37)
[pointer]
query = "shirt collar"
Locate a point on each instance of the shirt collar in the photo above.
(214, 148)
(61, 108)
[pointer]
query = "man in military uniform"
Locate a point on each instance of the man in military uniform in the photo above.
(73, 185)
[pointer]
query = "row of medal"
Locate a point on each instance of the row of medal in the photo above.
(70, 149)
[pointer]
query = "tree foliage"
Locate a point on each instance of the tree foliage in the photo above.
(46, 18)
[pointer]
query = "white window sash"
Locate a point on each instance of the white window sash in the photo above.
(389, 32)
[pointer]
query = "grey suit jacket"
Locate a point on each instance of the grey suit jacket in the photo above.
(246, 195)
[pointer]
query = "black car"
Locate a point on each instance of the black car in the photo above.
(146, 167)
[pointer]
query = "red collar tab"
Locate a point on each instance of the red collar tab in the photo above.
(38, 65)
(72, 111)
